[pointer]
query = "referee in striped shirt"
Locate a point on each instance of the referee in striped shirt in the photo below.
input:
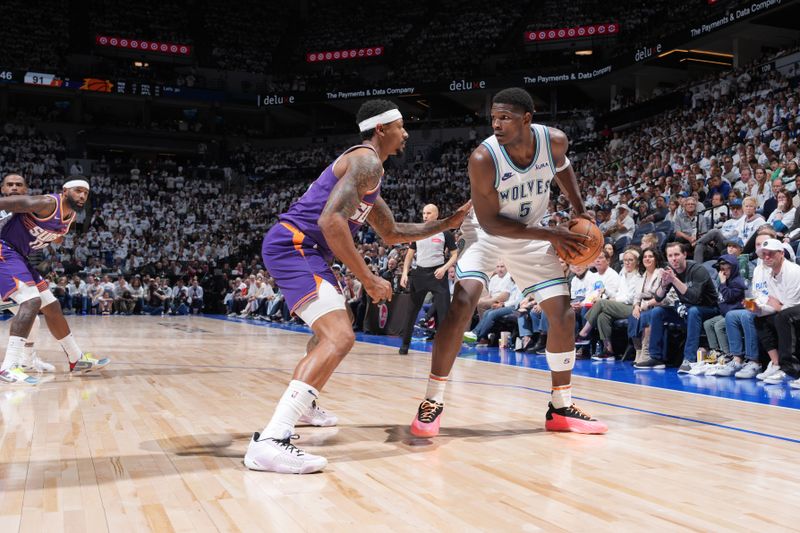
(435, 256)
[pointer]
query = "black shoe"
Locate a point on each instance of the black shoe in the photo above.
(582, 341)
(650, 364)
(540, 346)
(403, 349)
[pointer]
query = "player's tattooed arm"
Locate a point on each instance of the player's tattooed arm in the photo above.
(363, 174)
(41, 205)
(566, 179)
(382, 219)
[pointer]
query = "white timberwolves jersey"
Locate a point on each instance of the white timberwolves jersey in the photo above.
(524, 193)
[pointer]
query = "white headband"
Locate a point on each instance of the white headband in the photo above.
(383, 118)
(77, 183)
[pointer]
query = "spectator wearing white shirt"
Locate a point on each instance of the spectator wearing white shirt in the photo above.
(778, 330)
(581, 285)
(77, 291)
(762, 190)
(608, 279)
(714, 240)
(196, 297)
(123, 299)
(490, 317)
(750, 221)
(500, 287)
(616, 307)
(782, 217)
(623, 226)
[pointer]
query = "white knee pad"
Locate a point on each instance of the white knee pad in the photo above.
(560, 362)
(328, 299)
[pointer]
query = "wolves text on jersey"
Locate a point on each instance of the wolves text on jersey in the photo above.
(525, 190)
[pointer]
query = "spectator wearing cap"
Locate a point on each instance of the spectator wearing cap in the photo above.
(777, 330)
(740, 324)
(712, 242)
(698, 296)
(623, 225)
(689, 224)
(735, 247)
(731, 290)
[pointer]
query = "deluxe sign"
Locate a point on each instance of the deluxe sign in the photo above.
(463, 85)
(275, 99)
(647, 52)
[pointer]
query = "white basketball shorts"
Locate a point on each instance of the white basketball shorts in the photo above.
(533, 265)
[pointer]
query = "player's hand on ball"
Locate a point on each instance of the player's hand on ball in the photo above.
(455, 220)
(566, 242)
(378, 289)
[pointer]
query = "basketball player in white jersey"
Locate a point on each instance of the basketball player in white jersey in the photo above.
(510, 175)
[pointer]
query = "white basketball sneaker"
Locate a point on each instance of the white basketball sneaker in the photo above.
(35, 364)
(281, 456)
(15, 375)
(317, 416)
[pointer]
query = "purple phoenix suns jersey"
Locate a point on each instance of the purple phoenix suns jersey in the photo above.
(304, 213)
(26, 232)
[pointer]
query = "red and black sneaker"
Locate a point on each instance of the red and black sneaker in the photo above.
(572, 419)
(426, 423)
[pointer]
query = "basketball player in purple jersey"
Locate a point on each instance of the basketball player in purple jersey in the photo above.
(37, 221)
(298, 250)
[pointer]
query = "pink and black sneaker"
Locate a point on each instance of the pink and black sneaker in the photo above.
(426, 423)
(572, 419)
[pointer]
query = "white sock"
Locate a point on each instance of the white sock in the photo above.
(13, 352)
(436, 386)
(71, 348)
(27, 351)
(561, 396)
(293, 404)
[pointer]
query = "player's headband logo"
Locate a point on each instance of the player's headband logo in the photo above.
(383, 118)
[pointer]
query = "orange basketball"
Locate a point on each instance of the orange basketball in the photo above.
(594, 242)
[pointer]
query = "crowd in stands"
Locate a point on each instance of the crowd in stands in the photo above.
(244, 35)
(460, 35)
(716, 175)
(428, 42)
(157, 21)
(35, 35)
(25, 149)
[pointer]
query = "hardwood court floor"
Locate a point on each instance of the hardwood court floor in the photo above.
(156, 443)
